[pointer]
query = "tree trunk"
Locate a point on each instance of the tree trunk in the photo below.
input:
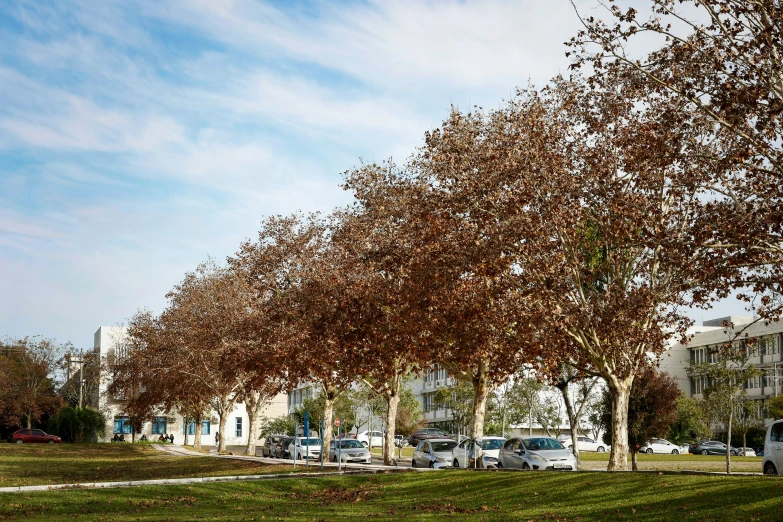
(224, 408)
(392, 397)
(29, 420)
(197, 432)
(252, 403)
(634, 467)
(481, 391)
(573, 421)
(185, 423)
(621, 392)
(728, 441)
(330, 394)
(222, 418)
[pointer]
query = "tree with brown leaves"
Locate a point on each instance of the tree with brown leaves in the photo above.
(380, 234)
(26, 374)
(301, 286)
(724, 60)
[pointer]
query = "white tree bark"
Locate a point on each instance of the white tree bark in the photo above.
(392, 397)
(621, 393)
(252, 405)
(330, 394)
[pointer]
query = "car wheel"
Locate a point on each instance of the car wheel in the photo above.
(704, 452)
(432, 465)
(413, 463)
(675, 452)
(649, 451)
(19, 441)
(334, 459)
(769, 469)
(571, 448)
(500, 466)
(601, 449)
(455, 463)
(365, 444)
(733, 453)
(51, 442)
(525, 466)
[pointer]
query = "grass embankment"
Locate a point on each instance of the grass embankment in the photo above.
(406, 452)
(29, 465)
(681, 462)
(443, 495)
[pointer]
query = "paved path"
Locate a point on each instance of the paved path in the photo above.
(179, 451)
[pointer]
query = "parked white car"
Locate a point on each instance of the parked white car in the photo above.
(365, 436)
(303, 448)
(466, 451)
(747, 452)
(660, 446)
(433, 453)
(536, 453)
(585, 444)
(772, 463)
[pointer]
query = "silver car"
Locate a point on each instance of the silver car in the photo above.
(433, 453)
(303, 448)
(349, 450)
(536, 453)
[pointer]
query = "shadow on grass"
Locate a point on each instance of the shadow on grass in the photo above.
(23, 465)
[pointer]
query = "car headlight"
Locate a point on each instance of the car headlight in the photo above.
(537, 458)
(490, 459)
(440, 459)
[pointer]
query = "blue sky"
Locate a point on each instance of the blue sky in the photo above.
(137, 138)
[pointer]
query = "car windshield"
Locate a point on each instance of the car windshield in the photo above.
(310, 442)
(437, 447)
(542, 443)
(350, 444)
(491, 444)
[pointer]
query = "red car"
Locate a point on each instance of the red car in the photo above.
(28, 436)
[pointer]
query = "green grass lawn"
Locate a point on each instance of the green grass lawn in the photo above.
(681, 462)
(442, 495)
(34, 464)
(406, 452)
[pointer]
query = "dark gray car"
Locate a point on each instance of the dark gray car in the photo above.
(270, 445)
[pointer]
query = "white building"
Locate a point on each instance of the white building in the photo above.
(769, 359)
(110, 340)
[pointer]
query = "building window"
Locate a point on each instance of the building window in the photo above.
(122, 425)
(159, 426)
(427, 401)
(239, 427)
(191, 428)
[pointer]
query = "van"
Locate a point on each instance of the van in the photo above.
(773, 450)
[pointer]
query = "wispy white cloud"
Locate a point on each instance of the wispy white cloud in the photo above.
(137, 138)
